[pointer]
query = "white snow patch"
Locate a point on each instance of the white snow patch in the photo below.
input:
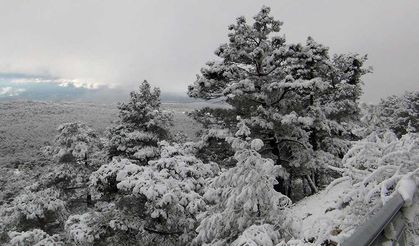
(256, 144)
(317, 208)
(407, 188)
(17, 172)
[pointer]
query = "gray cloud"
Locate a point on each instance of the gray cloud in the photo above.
(122, 42)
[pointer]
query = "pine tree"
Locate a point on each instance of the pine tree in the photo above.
(35, 237)
(400, 113)
(243, 195)
(296, 98)
(36, 209)
(159, 201)
(142, 124)
(75, 142)
(41, 209)
(79, 151)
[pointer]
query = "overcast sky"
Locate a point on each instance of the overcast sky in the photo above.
(167, 42)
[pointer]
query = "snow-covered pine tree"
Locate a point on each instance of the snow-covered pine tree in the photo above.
(34, 237)
(400, 113)
(243, 196)
(75, 142)
(36, 209)
(118, 216)
(159, 201)
(41, 208)
(296, 98)
(141, 125)
(79, 152)
(396, 113)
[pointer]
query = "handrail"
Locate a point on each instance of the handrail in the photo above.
(372, 230)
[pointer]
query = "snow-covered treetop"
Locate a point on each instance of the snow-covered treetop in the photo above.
(396, 113)
(34, 237)
(35, 205)
(257, 62)
(293, 95)
(29, 210)
(400, 113)
(75, 140)
(142, 124)
(142, 111)
(171, 188)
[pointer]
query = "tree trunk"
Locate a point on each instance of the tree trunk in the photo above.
(311, 183)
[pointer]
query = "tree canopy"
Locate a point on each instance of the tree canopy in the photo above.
(297, 98)
(141, 125)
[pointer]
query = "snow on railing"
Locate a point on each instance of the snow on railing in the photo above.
(388, 224)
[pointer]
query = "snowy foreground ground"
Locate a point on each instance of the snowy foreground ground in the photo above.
(313, 215)
(316, 208)
(25, 126)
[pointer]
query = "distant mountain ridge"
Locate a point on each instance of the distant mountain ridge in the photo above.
(58, 93)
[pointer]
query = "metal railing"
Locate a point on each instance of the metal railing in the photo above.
(372, 232)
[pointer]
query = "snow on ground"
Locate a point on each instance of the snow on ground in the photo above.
(313, 215)
(313, 210)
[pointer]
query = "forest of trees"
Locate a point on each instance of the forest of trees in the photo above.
(294, 126)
